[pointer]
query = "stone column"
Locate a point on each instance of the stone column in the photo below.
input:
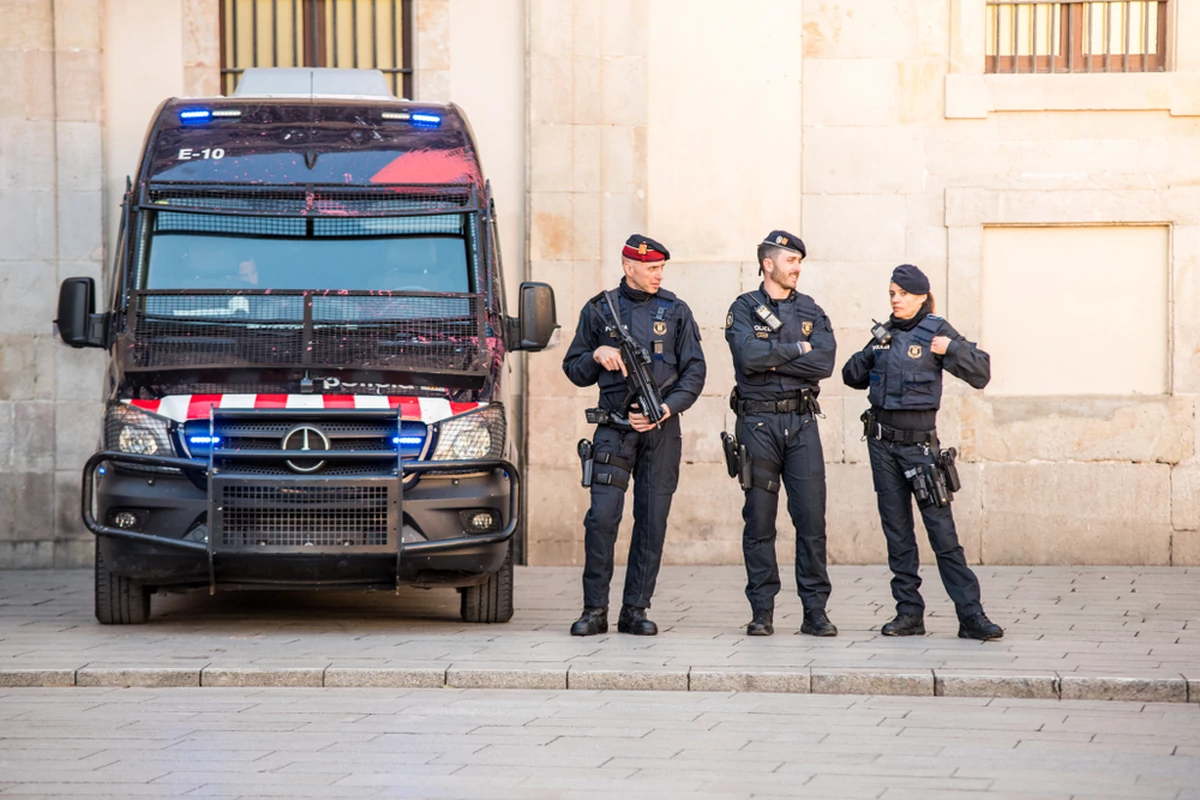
(50, 222)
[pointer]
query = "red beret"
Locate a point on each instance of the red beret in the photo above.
(643, 248)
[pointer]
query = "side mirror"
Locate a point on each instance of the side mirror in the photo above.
(537, 326)
(78, 323)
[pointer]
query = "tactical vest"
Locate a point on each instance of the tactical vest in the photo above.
(652, 324)
(906, 374)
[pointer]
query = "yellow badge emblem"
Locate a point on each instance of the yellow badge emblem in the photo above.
(729, 320)
(642, 249)
(914, 351)
(660, 327)
(806, 328)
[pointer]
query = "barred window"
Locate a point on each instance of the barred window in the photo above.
(1092, 36)
(362, 34)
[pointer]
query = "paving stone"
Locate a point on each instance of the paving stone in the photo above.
(37, 677)
(715, 679)
(627, 679)
(1108, 687)
(386, 677)
(863, 681)
(262, 676)
(495, 678)
(1085, 621)
(969, 683)
(157, 677)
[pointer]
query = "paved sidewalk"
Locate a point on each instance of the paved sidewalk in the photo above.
(1072, 633)
(583, 745)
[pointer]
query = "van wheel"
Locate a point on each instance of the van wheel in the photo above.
(491, 601)
(119, 600)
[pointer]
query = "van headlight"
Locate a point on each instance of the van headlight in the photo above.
(470, 437)
(131, 430)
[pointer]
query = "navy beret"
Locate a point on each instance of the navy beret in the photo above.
(910, 279)
(787, 241)
(643, 248)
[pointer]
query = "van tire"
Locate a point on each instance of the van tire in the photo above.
(492, 600)
(119, 600)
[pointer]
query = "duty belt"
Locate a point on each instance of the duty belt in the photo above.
(804, 403)
(885, 433)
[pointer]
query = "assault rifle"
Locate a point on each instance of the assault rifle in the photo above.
(640, 378)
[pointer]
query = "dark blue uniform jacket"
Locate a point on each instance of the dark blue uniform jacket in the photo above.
(664, 325)
(767, 364)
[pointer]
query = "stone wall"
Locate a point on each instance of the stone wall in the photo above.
(50, 226)
(876, 136)
(879, 139)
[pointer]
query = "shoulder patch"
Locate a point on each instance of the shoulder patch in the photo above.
(729, 320)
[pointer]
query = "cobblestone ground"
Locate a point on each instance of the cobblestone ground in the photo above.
(464, 743)
(1081, 633)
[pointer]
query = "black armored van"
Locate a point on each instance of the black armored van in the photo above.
(308, 340)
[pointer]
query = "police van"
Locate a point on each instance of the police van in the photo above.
(308, 342)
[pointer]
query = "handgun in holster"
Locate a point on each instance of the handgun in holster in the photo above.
(946, 459)
(729, 444)
(586, 460)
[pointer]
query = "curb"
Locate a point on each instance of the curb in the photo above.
(816, 680)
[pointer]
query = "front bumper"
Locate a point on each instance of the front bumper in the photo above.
(181, 542)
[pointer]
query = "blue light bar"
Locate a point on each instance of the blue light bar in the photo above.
(195, 115)
(408, 440)
(204, 439)
(425, 120)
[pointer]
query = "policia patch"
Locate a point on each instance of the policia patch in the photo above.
(729, 320)
(660, 328)
(914, 351)
(806, 328)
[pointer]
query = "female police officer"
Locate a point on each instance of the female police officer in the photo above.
(902, 369)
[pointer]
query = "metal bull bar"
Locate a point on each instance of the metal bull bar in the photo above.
(205, 469)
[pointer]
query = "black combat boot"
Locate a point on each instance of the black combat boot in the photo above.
(816, 623)
(978, 626)
(593, 620)
(904, 625)
(761, 625)
(633, 620)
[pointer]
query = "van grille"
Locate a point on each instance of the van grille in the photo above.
(254, 514)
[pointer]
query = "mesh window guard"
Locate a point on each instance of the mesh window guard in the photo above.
(428, 332)
(381, 200)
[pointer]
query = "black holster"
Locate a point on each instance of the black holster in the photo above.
(729, 444)
(619, 474)
(868, 421)
(946, 459)
(584, 448)
(929, 486)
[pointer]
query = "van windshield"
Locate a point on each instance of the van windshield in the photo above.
(410, 254)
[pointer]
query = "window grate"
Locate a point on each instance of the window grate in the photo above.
(1088, 36)
(363, 34)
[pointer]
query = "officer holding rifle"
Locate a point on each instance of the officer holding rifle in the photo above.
(641, 344)
(901, 367)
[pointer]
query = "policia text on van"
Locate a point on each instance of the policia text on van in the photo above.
(307, 339)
